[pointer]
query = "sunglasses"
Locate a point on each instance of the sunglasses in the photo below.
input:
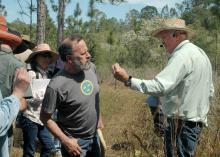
(46, 55)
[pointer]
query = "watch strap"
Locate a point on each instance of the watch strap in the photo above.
(128, 82)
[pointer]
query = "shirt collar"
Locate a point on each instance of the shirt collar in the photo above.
(42, 72)
(6, 50)
(178, 47)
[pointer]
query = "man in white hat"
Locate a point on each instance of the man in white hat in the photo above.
(185, 85)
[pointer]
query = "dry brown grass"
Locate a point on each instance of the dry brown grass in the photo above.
(129, 130)
(127, 123)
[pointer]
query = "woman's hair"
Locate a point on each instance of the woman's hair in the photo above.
(34, 63)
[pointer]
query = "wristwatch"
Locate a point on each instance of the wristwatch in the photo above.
(128, 82)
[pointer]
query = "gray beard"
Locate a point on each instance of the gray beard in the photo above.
(79, 67)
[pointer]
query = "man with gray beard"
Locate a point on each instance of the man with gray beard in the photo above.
(74, 92)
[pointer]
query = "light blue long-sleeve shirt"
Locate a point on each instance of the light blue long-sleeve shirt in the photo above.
(185, 83)
(9, 108)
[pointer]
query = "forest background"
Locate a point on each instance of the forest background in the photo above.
(128, 42)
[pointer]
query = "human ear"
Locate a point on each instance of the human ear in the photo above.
(68, 59)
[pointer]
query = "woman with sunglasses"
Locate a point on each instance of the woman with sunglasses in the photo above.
(30, 123)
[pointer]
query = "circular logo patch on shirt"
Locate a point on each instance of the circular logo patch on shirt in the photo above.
(87, 87)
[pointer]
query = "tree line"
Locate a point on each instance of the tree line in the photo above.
(128, 40)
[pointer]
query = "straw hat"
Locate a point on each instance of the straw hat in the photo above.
(6, 37)
(172, 24)
(25, 44)
(42, 48)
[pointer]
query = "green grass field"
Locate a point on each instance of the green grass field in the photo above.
(129, 131)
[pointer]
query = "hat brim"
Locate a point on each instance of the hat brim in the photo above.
(10, 39)
(24, 55)
(30, 44)
(24, 46)
(156, 32)
(32, 56)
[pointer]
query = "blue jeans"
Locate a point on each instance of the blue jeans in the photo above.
(32, 131)
(56, 141)
(90, 147)
(57, 145)
(181, 138)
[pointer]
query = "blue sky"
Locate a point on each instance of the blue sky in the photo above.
(117, 11)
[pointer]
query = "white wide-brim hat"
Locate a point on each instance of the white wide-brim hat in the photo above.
(172, 24)
(24, 55)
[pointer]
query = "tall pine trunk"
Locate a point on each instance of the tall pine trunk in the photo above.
(60, 29)
(41, 17)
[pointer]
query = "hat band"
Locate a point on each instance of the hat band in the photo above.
(3, 28)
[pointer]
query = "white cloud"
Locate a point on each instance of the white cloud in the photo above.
(137, 1)
(156, 3)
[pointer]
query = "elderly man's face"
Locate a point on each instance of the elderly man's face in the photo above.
(81, 56)
(168, 40)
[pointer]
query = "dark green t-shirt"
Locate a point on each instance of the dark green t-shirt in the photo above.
(76, 97)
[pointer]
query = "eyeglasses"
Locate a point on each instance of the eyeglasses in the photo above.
(46, 55)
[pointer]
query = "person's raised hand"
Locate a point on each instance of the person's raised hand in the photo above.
(21, 82)
(119, 73)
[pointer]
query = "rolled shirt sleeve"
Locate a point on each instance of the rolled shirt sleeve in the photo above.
(165, 81)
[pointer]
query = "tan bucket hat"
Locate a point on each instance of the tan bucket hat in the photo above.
(42, 48)
(172, 24)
